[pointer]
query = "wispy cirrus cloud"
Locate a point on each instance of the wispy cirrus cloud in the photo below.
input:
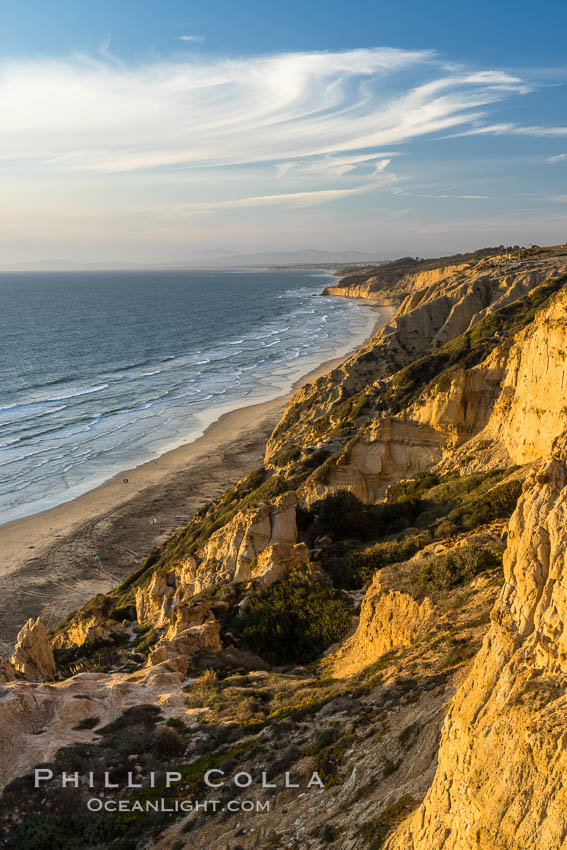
(88, 115)
(203, 134)
(512, 130)
(191, 38)
(337, 165)
(560, 157)
(288, 199)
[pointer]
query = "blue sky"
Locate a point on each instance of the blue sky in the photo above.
(165, 131)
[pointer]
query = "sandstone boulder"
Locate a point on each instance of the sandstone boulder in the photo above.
(276, 561)
(183, 616)
(87, 630)
(177, 651)
(33, 655)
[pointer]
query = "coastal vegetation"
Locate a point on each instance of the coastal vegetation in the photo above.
(319, 614)
(295, 621)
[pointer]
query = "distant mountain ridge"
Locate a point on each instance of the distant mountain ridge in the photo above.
(210, 260)
(308, 255)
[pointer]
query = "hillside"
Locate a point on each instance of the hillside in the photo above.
(380, 604)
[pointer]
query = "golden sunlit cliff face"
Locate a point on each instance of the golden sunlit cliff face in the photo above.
(425, 321)
(383, 602)
(500, 780)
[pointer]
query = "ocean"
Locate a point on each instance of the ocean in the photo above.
(102, 371)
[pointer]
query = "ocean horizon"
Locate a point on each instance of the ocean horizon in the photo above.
(107, 370)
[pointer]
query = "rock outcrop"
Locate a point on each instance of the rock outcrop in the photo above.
(506, 410)
(258, 543)
(389, 449)
(178, 651)
(33, 655)
(388, 288)
(531, 409)
(276, 561)
(154, 600)
(230, 553)
(89, 630)
(396, 612)
(389, 619)
(511, 407)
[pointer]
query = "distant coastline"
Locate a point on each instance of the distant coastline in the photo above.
(174, 359)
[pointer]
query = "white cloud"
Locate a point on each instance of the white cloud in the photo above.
(300, 199)
(191, 38)
(460, 197)
(558, 158)
(164, 140)
(512, 130)
(85, 114)
(336, 165)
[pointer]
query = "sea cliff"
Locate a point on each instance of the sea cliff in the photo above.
(381, 603)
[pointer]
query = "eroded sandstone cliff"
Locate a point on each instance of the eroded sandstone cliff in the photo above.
(500, 780)
(331, 612)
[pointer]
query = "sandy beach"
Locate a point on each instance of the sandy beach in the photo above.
(54, 561)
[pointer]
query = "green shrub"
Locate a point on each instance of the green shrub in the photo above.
(376, 831)
(327, 765)
(287, 455)
(251, 482)
(460, 651)
(168, 742)
(329, 833)
(453, 503)
(44, 833)
(390, 767)
(329, 760)
(497, 503)
(361, 565)
(88, 658)
(86, 723)
(343, 516)
(456, 567)
(316, 458)
(147, 636)
(144, 714)
(324, 738)
(344, 415)
(408, 736)
(412, 488)
(295, 621)
(322, 475)
(204, 693)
